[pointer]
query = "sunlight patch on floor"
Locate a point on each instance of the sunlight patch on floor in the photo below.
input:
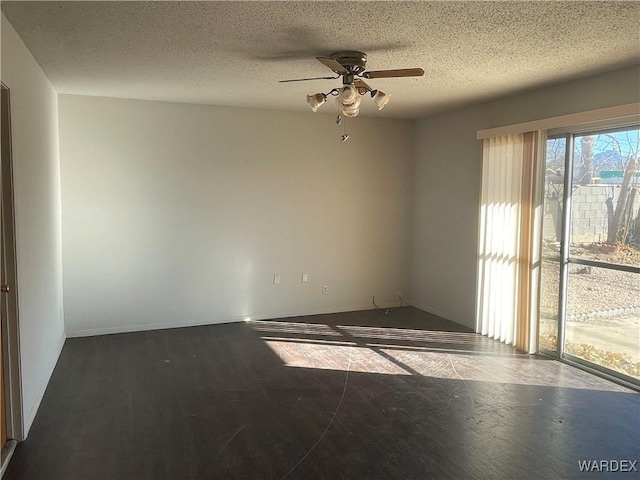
(393, 351)
(334, 357)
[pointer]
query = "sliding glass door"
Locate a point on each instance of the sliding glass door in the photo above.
(590, 275)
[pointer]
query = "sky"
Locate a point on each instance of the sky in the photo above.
(612, 148)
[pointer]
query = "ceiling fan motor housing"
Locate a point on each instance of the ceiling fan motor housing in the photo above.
(354, 62)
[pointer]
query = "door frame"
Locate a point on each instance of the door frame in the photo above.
(10, 314)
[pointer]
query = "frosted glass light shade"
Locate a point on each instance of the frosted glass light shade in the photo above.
(349, 101)
(381, 99)
(316, 100)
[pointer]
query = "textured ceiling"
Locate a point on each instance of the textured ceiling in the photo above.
(234, 53)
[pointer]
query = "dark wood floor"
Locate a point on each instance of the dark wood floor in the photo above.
(357, 395)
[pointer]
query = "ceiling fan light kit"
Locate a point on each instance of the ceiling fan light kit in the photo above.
(351, 66)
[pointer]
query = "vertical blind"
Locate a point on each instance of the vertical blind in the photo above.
(505, 247)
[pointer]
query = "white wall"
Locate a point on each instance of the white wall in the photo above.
(36, 171)
(178, 215)
(448, 176)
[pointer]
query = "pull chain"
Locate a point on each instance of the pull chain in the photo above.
(339, 121)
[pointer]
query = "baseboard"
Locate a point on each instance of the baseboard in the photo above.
(30, 417)
(357, 308)
(444, 315)
(233, 319)
(93, 332)
(258, 316)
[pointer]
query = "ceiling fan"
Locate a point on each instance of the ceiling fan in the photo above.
(351, 66)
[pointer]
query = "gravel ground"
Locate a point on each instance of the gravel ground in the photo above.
(593, 289)
(603, 308)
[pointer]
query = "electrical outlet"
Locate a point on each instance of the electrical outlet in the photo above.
(305, 278)
(325, 289)
(276, 279)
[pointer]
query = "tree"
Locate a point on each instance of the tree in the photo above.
(636, 227)
(616, 227)
(586, 159)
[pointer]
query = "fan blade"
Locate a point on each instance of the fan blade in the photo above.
(402, 72)
(333, 65)
(361, 84)
(312, 78)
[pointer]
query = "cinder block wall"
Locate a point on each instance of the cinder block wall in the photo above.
(589, 218)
